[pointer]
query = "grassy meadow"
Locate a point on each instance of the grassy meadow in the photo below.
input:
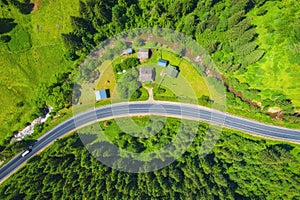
(34, 53)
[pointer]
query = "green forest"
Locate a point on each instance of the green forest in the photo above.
(238, 167)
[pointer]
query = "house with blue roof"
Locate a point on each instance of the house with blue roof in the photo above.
(101, 94)
(127, 51)
(162, 63)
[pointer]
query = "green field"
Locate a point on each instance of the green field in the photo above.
(279, 70)
(34, 53)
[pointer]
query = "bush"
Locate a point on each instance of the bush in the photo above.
(127, 64)
(246, 48)
(205, 100)
(138, 42)
(253, 57)
(160, 90)
(135, 95)
(5, 38)
(261, 12)
(128, 85)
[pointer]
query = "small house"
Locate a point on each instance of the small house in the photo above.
(172, 71)
(101, 94)
(127, 51)
(143, 54)
(147, 74)
(162, 63)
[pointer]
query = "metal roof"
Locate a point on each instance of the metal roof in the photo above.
(172, 71)
(143, 53)
(147, 74)
(162, 63)
(100, 94)
(129, 51)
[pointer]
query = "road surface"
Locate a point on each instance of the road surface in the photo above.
(179, 110)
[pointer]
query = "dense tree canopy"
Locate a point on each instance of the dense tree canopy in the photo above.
(128, 85)
(126, 64)
(58, 93)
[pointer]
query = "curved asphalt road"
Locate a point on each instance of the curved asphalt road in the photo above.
(178, 110)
